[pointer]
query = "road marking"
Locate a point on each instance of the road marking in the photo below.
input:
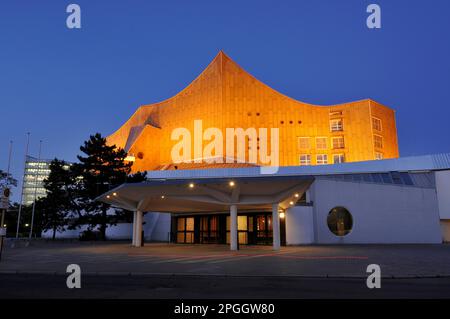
(325, 257)
(167, 261)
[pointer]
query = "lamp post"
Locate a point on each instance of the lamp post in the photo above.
(35, 190)
(23, 180)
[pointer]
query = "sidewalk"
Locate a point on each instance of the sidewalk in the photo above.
(118, 259)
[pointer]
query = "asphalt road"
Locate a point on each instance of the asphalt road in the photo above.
(211, 287)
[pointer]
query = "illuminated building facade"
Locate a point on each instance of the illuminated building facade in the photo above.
(226, 96)
(372, 196)
(35, 172)
(403, 200)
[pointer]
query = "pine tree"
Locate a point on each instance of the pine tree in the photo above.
(102, 168)
(59, 203)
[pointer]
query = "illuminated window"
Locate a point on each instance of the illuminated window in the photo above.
(304, 143)
(340, 221)
(378, 156)
(338, 142)
(338, 158)
(336, 125)
(335, 113)
(185, 230)
(321, 143)
(190, 224)
(305, 159)
(242, 230)
(322, 159)
(181, 224)
(378, 141)
(242, 222)
(376, 124)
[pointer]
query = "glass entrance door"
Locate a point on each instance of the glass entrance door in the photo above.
(185, 230)
(242, 230)
(264, 229)
(209, 229)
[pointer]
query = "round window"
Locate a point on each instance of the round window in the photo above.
(340, 221)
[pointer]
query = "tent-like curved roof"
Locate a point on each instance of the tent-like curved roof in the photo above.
(224, 96)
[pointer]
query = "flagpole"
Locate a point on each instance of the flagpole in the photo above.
(9, 156)
(2, 224)
(35, 190)
(7, 181)
(23, 180)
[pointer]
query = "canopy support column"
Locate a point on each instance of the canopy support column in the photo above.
(137, 229)
(275, 227)
(233, 228)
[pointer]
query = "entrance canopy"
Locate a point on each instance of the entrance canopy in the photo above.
(215, 190)
(191, 195)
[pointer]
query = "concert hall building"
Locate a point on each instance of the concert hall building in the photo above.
(340, 178)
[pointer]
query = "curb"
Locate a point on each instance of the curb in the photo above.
(143, 274)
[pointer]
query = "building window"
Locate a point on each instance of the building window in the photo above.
(242, 228)
(340, 221)
(322, 159)
(336, 125)
(209, 229)
(338, 142)
(185, 230)
(335, 113)
(338, 158)
(304, 143)
(376, 124)
(378, 141)
(378, 156)
(321, 143)
(305, 159)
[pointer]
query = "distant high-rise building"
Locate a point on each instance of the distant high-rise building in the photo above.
(33, 182)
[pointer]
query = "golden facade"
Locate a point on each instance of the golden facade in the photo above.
(225, 96)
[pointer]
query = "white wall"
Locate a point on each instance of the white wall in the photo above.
(443, 193)
(299, 225)
(156, 228)
(381, 213)
(119, 231)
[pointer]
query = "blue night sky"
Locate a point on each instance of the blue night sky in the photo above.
(63, 85)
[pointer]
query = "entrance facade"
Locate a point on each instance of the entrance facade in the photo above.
(252, 229)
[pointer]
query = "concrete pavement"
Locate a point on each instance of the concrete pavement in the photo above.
(117, 270)
(112, 258)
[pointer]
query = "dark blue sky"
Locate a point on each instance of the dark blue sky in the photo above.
(62, 85)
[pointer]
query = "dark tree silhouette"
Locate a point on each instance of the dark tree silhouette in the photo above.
(102, 168)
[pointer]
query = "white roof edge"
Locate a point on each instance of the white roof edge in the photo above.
(430, 162)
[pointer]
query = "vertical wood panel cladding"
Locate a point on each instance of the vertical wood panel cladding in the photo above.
(226, 96)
